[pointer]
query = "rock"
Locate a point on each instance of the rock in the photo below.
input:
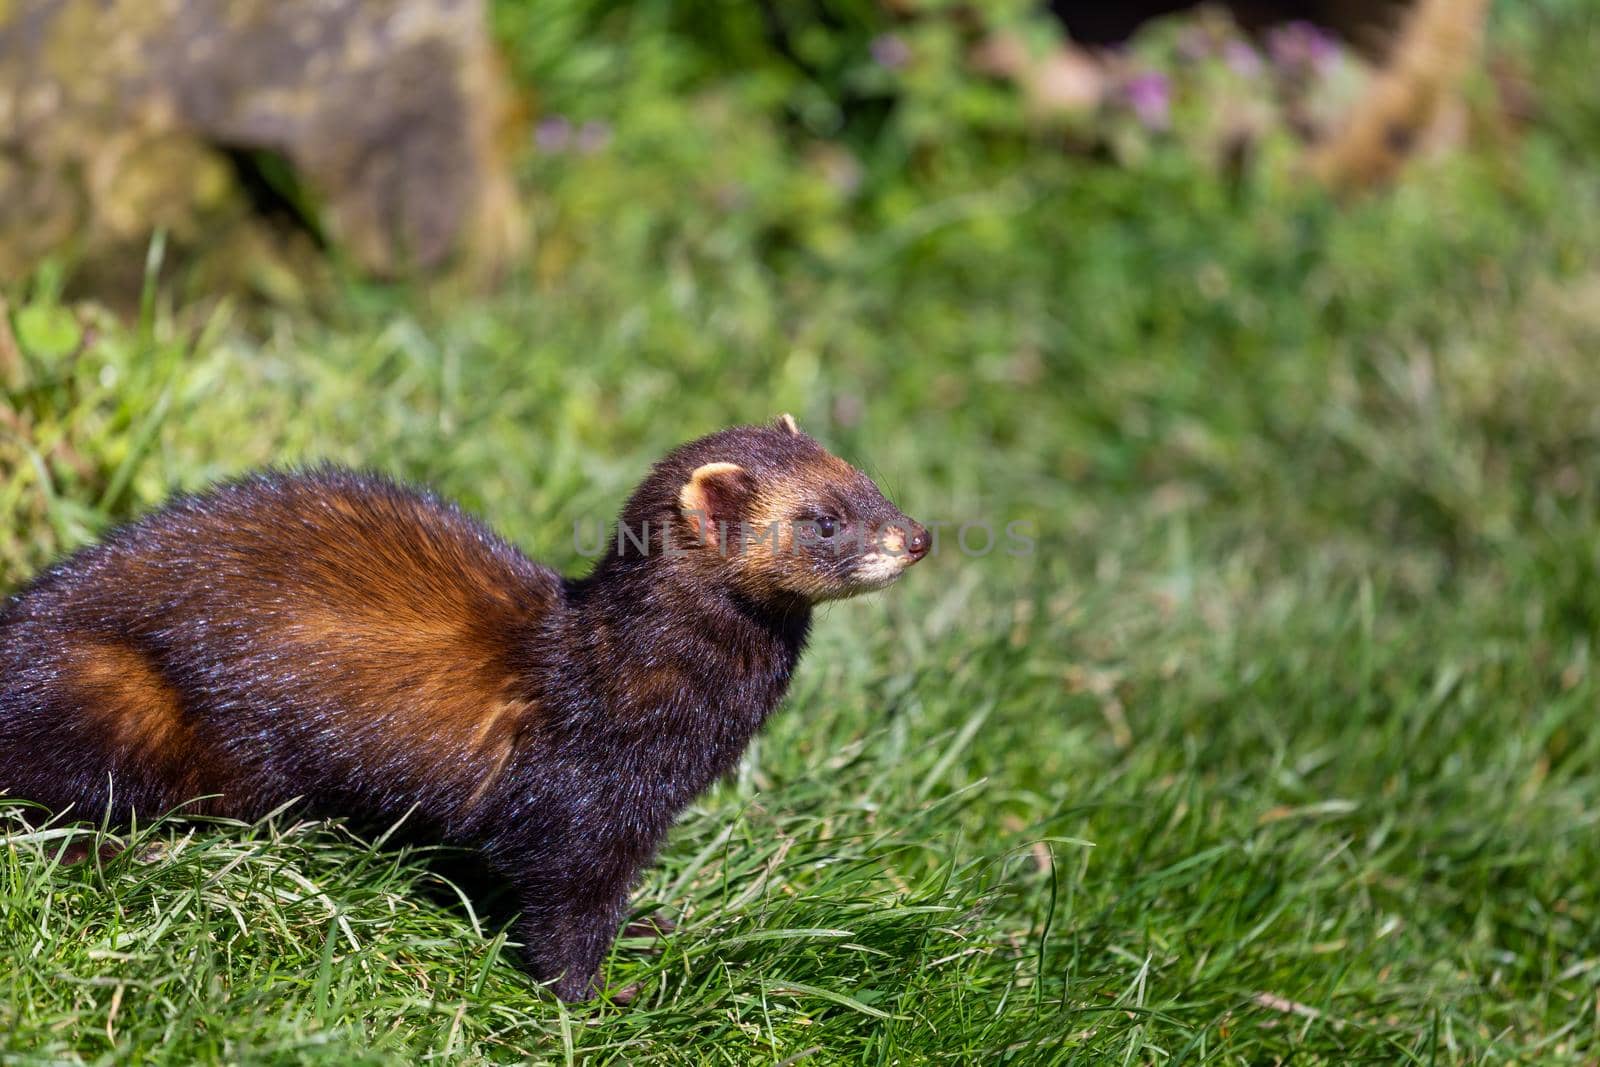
(119, 117)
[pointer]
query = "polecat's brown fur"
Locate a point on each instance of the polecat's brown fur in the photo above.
(373, 651)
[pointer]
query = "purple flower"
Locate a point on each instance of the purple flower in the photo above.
(889, 50)
(1322, 46)
(1150, 96)
(553, 134)
(1302, 47)
(593, 136)
(1242, 58)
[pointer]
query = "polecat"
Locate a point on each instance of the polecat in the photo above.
(374, 651)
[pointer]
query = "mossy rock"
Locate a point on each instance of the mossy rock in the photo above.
(120, 117)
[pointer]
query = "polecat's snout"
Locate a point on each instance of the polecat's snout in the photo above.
(886, 553)
(903, 537)
(919, 542)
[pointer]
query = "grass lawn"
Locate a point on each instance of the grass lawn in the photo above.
(1279, 745)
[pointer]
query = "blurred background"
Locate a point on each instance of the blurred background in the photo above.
(423, 136)
(1276, 322)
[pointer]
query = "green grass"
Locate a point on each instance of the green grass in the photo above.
(1280, 746)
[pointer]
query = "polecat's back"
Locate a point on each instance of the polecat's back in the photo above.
(322, 633)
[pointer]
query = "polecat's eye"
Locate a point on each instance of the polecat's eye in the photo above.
(827, 525)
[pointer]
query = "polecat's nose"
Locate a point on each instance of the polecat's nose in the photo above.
(918, 543)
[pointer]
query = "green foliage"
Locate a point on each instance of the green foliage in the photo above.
(1279, 746)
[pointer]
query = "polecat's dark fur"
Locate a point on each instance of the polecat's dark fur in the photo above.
(376, 652)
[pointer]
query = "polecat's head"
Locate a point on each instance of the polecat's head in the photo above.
(773, 514)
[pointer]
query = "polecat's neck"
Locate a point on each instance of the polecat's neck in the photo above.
(642, 602)
(682, 674)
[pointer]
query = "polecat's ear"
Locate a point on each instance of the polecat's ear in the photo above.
(714, 494)
(786, 422)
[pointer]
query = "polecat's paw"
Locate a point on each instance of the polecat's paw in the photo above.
(575, 991)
